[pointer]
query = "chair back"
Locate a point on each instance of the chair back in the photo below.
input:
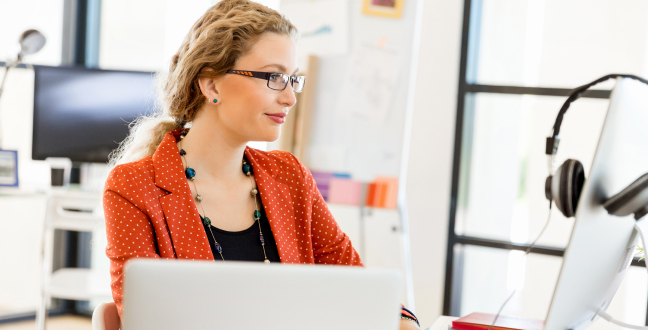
(105, 317)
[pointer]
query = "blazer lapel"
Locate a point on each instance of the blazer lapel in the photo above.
(183, 220)
(278, 205)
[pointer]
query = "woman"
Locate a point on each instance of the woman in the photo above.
(200, 193)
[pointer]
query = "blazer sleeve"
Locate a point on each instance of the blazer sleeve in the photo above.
(130, 235)
(330, 244)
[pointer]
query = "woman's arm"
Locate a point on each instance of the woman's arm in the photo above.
(408, 325)
(130, 235)
(330, 244)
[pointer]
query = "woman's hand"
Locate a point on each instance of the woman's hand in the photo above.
(408, 325)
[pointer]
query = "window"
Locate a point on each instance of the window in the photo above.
(143, 35)
(520, 59)
(45, 16)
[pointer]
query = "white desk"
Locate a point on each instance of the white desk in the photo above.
(443, 323)
(21, 228)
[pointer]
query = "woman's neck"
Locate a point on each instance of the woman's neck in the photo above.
(209, 151)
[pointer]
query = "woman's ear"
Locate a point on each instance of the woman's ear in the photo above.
(209, 86)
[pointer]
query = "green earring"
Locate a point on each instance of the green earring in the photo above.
(215, 100)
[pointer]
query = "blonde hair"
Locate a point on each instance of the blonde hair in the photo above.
(223, 34)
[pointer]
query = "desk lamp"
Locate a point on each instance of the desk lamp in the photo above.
(31, 41)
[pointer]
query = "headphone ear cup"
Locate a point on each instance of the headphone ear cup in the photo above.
(565, 187)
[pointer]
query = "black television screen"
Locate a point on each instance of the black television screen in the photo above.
(83, 114)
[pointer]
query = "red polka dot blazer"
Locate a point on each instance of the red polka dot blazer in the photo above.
(150, 212)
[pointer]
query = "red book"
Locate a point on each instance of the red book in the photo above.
(481, 321)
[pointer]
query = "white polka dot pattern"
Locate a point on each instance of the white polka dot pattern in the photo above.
(150, 212)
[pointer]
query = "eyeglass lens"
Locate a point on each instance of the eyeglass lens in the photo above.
(279, 81)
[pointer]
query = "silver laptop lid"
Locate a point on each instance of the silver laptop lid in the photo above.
(164, 294)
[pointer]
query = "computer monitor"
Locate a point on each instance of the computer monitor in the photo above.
(602, 246)
(83, 114)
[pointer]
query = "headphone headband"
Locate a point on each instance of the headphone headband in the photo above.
(553, 141)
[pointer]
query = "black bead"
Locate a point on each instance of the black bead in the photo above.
(182, 152)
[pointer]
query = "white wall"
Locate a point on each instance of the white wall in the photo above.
(430, 164)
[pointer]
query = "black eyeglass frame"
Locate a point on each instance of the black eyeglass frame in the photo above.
(266, 76)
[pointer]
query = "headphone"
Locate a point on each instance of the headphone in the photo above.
(565, 186)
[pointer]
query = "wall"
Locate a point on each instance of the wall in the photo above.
(430, 163)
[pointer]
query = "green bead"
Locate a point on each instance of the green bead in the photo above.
(247, 169)
(206, 221)
(257, 214)
(215, 100)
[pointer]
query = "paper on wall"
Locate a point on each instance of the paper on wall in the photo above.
(369, 85)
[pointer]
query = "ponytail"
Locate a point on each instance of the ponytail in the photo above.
(147, 132)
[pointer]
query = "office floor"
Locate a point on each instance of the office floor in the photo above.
(65, 322)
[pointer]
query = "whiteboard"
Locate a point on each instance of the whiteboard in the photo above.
(359, 116)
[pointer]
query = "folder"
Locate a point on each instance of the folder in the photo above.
(344, 191)
(481, 321)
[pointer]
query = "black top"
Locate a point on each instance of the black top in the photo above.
(244, 245)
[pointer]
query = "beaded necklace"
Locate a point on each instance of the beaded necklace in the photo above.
(190, 173)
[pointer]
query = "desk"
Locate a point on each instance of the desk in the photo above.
(22, 215)
(442, 323)
(21, 227)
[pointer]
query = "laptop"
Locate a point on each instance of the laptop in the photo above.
(178, 294)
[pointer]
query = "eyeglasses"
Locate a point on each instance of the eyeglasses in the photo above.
(276, 81)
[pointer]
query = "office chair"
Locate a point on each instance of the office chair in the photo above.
(105, 317)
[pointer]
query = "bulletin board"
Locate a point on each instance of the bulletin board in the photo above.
(359, 110)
